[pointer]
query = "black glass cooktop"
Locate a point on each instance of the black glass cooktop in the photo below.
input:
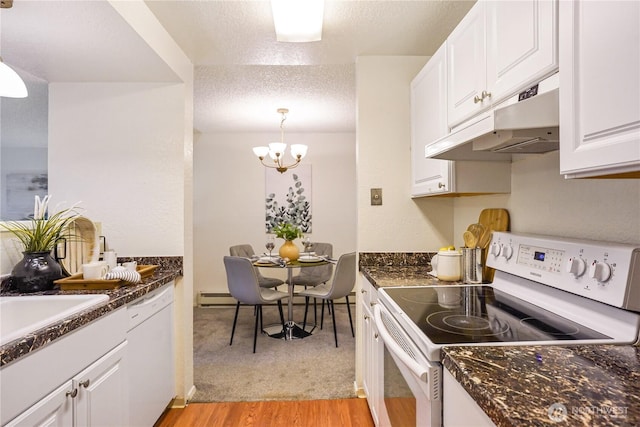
(478, 314)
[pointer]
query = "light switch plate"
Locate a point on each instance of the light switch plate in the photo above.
(376, 196)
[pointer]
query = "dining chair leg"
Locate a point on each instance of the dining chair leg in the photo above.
(281, 313)
(235, 319)
(255, 331)
(322, 314)
(333, 317)
(315, 311)
(261, 324)
(350, 321)
(306, 308)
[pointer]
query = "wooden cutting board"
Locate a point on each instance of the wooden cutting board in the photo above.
(492, 219)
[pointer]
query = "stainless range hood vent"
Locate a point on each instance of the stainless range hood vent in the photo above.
(536, 145)
(515, 126)
(519, 141)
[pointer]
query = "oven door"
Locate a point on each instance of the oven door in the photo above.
(410, 383)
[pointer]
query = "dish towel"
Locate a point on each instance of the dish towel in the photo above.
(123, 274)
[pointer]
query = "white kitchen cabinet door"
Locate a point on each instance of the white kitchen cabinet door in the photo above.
(499, 49)
(56, 409)
(102, 398)
(435, 177)
(429, 123)
(373, 348)
(466, 63)
(521, 45)
(600, 88)
(458, 407)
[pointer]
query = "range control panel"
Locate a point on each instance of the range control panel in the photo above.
(603, 271)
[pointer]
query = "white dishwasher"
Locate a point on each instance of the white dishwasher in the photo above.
(151, 357)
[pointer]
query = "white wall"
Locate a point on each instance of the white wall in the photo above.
(121, 146)
(229, 194)
(401, 224)
(543, 202)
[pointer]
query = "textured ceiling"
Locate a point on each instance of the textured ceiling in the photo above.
(242, 74)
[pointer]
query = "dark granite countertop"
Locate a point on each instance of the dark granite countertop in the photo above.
(169, 269)
(597, 385)
(388, 269)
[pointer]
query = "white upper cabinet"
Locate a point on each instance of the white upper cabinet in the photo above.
(467, 66)
(434, 177)
(497, 50)
(428, 123)
(600, 89)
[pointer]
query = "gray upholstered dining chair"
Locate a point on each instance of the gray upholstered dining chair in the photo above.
(314, 276)
(243, 286)
(343, 281)
(246, 251)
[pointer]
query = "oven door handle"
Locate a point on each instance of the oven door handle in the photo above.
(418, 370)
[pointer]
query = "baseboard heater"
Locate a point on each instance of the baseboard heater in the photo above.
(209, 299)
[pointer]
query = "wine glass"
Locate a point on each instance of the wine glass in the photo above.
(307, 245)
(270, 244)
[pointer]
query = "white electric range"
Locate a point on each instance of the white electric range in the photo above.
(546, 291)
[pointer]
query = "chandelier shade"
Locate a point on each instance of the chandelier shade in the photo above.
(276, 150)
(11, 85)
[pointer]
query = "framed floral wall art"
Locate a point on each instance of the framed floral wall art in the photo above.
(288, 197)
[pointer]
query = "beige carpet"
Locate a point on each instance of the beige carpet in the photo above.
(303, 369)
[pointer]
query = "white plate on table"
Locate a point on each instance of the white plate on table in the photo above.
(309, 258)
(265, 260)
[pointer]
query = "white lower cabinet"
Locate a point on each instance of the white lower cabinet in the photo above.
(95, 397)
(53, 410)
(78, 380)
(600, 89)
(372, 351)
(458, 408)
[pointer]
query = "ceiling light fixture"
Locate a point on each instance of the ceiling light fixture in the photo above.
(11, 85)
(276, 150)
(298, 20)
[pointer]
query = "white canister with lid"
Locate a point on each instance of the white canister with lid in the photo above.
(446, 265)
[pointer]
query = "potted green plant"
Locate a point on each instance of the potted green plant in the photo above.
(289, 232)
(38, 236)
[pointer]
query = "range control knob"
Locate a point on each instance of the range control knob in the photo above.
(576, 266)
(507, 252)
(601, 271)
(495, 249)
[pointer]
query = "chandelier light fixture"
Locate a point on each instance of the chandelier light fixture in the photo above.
(297, 20)
(276, 150)
(11, 85)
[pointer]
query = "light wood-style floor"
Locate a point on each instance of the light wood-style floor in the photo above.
(303, 413)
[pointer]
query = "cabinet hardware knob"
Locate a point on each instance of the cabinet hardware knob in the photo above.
(366, 317)
(85, 383)
(486, 94)
(373, 303)
(477, 99)
(441, 185)
(73, 393)
(364, 291)
(375, 336)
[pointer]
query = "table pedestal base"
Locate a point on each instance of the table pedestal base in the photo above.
(291, 331)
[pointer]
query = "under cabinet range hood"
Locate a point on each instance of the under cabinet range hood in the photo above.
(526, 123)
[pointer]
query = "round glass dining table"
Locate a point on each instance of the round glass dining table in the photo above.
(292, 330)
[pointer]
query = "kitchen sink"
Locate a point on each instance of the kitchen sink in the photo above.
(22, 315)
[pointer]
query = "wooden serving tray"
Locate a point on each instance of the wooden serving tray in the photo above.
(77, 282)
